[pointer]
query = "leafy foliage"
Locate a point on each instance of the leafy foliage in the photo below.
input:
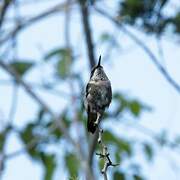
(37, 136)
(32, 143)
(121, 144)
(49, 165)
(63, 59)
(109, 39)
(3, 137)
(118, 176)
(148, 14)
(134, 106)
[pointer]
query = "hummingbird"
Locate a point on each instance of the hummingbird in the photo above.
(98, 96)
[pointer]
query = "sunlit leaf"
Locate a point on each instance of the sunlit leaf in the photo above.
(101, 163)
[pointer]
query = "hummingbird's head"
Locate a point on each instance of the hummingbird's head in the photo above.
(98, 73)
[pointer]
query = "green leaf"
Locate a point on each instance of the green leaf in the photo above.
(109, 38)
(135, 107)
(101, 163)
(162, 138)
(122, 103)
(125, 103)
(27, 136)
(21, 67)
(41, 114)
(3, 137)
(56, 133)
(105, 37)
(73, 178)
(122, 145)
(53, 54)
(49, 165)
(72, 164)
(138, 177)
(64, 63)
(176, 22)
(63, 57)
(148, 150)
(2, 140)
(118, 157)
(119, 176)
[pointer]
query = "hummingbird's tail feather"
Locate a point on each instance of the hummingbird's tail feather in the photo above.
(91, 125)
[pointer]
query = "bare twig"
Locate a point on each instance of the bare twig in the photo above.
(141, 44)
(13, 103)
(90, 50)
(104, 154)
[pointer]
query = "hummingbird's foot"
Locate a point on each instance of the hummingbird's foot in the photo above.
(100, 135)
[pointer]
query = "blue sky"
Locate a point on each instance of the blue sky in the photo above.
(130, 71)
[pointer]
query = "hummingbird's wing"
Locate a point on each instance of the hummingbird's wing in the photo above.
(109, 94)
(92, 116)
(91, 126)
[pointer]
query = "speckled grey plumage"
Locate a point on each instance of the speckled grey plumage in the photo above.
(97, 97)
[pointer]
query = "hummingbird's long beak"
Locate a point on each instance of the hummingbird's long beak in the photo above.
(99, 62)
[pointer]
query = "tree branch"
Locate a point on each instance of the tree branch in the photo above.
(141, 44)
(57, 123)
(3, 10)
(104, 154)
(14, 103)
(87, 30)
(53, 10)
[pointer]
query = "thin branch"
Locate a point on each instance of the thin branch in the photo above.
(3, 10)
(44, 87)
(88, 34)
(13, 103)
(152, 134)
(59, 124)
(29, 90)
(32, 143)
(90, 50)
(104, 154)
(51, 11)
(141, 44)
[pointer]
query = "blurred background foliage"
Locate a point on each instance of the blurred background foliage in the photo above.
(148, 16)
